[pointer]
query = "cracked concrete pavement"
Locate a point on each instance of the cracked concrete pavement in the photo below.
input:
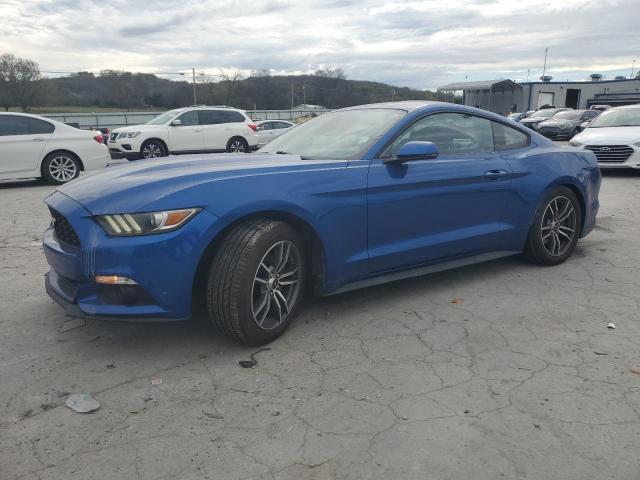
(522, 380)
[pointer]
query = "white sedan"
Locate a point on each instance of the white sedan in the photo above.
(36, 147)
(614, 137)
(267, 130)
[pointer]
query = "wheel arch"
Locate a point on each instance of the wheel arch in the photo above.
(61, 150)
(315, 251)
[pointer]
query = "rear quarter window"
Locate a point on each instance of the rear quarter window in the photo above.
(508, 138)
(40, 126)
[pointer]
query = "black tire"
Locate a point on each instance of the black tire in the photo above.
(60, 167)
(541, 247)
(153, 149)
(232, 295)
(237, 145)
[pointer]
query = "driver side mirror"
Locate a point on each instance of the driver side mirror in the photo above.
(414, 151)
(176, 123)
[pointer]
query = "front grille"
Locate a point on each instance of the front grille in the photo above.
(113, 136)
(64, 231)
(611, 153)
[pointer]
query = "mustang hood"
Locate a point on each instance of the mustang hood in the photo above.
(148, 185)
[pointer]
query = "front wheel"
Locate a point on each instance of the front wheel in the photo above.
(152, 149)
(237, 145)
(256, 281)
(556, 228)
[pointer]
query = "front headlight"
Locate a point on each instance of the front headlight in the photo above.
(128, 134)
(575, 143)
(127, 224)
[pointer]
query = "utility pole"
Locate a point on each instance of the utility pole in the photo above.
(633, 67)
(195, 99)
(304, 94)
(528, 70)
(291, 94)
(544, 68)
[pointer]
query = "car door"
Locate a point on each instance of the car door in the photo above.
(266, 131)
(213, 129)
(187, 136)
(20, 149)
(427, 211)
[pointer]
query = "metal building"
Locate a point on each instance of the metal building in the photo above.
(504, 96)
(500, 96)
(581, 95)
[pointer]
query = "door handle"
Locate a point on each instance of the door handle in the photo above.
(495, 174)
(37, 139)
(197, 131)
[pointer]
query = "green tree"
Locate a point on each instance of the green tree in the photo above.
(20, 82)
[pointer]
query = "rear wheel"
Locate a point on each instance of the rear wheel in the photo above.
(256, 281)
(237, 145)
(556, 228)
(153, 149)
(60, 167)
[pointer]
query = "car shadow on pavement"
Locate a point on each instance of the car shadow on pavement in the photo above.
(33, 182)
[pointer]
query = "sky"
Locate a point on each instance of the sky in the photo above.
(419, 44)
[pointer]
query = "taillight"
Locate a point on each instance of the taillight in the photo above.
(99, 138)
(252, 126)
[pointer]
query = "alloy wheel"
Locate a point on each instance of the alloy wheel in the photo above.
(151, 150)
(276, 285)
(237, 146)
(559, 224)
(63, 168)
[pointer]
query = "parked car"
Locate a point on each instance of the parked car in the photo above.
(105, 133)
(564, 125)
(35, 147)
(540, 116)
(518, 116)
(269, 129)
(601, 108)
(352, 198)
(186, 130)
(614, 137)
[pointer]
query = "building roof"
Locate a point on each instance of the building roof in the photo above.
(495, 85)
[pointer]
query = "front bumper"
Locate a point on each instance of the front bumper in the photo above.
(125, 148)
(604, 158)
(556, 133)
(163, 266)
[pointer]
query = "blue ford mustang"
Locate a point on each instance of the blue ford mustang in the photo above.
(353, 198)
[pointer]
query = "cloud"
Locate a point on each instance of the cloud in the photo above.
(421, 44)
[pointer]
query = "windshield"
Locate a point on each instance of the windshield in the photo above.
(164, 118)
(570, 115)
(628, 117)
(546, 113)
(341, 135)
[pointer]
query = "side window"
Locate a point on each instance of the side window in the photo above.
(266, 126)
(231, 117)
(282, 125)
(14, 125)
(589, 114)
(189, 119)
(209, 117)
(40, 126)
(452, 133)
(507, 138)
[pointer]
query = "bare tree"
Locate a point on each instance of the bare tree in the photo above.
(20, 81)
(230, 81)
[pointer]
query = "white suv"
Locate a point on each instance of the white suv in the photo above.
(186, 130)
